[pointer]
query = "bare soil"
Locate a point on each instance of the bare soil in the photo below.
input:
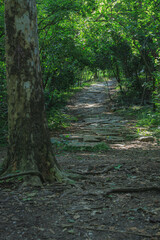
(89, 210)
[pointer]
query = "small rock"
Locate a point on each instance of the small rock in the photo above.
(147, 139)
(91, 138)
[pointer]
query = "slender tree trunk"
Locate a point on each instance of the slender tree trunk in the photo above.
(29, 143)
(96, 75)
(117, 75)
(153, 93)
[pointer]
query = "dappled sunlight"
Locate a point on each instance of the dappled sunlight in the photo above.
(135, 145)
(94, 172)
(98, 128)
(87, 105)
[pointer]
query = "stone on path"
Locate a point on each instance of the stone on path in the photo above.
(112, 139)
(109, 132)
(92, 138)
(147, 139)
(72, 136)
(82, 144)
(96, 125)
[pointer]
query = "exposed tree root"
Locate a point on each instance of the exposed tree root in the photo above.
(67, 177)
(13, 175)
(105, 170)
(60, 176)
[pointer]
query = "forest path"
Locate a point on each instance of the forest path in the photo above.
(96, 123)
(90, 210)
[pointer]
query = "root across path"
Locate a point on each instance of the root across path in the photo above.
(118, 196)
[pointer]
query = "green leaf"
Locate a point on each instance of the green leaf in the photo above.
(118, 167)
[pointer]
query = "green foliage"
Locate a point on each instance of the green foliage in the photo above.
(151, 121)
(65, 146)
(78, 39)
(57, 119)
(55, 103)
(147, 121)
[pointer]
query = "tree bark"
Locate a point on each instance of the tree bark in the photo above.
(29, 142)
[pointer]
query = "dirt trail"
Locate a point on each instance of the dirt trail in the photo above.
(96, 123)
(86, 211)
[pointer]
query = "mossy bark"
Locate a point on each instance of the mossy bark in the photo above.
(29, 142)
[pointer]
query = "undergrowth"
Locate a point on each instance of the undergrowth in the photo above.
(147, 121)
(56, 102)
(101, 147)
(64, 145)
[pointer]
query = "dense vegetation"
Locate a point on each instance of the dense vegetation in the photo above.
(80, 40)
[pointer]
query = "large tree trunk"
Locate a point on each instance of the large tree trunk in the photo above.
(29, 143)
